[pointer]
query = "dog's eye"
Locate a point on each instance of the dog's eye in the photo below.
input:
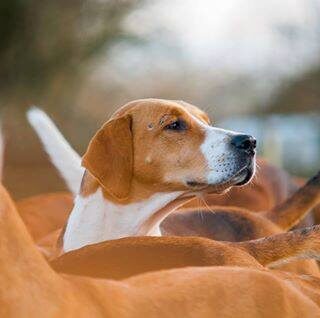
(177, 125)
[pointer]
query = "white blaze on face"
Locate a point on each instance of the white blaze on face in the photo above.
(222, 160)
(221, 157)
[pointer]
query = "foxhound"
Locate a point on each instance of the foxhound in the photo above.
(141, 164)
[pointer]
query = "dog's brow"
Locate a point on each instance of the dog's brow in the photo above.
(164, 118)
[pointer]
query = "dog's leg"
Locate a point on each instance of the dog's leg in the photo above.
(281, 248)
(289, 213)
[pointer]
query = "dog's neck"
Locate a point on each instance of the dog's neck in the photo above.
(96, 217)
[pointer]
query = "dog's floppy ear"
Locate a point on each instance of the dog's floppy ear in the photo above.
(109, 157)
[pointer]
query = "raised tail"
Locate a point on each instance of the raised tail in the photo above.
(281, 248)
(64, 158)
(289, 213)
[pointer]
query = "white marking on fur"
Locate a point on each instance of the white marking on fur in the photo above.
(63, 157)
(221, 158)
(94, 219)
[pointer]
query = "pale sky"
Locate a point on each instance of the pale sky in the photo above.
(241, 35)
(235, 52)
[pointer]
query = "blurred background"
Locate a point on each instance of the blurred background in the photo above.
(254, 66)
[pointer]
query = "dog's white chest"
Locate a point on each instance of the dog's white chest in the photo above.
(94, 219)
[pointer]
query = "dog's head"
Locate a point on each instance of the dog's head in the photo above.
(167, 146)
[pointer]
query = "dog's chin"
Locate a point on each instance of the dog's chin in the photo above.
(197, 187)
(241, 178)
(244, 177)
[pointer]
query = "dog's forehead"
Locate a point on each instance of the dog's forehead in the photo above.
(195, 111)
(153, 109)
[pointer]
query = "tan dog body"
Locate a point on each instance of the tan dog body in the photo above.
(28, 287)
(45, 213)
(130, 256)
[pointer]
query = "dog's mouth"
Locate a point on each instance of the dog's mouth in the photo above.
(246, 177)
(196, 185)
(242, 177)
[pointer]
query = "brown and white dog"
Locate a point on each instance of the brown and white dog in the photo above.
(142, 164)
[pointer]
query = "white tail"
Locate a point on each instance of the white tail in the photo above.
(63, 157)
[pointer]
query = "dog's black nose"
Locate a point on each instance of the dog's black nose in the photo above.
(244, 142)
